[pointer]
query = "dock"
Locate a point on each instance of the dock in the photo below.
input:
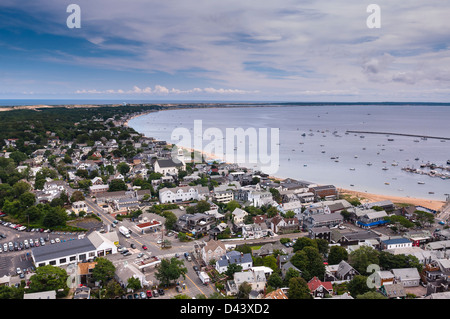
(401, 134)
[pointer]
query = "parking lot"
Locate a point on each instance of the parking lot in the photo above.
(15, 248)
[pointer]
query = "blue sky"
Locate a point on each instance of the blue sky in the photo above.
(282, 50)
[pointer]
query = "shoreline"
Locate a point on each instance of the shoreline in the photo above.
(368, 197)
(372, 198)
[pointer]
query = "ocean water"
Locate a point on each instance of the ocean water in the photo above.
(315, 146)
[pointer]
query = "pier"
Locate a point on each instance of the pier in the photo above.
(401, 134)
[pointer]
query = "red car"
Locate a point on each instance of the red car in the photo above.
(144, 247)
(149, 293)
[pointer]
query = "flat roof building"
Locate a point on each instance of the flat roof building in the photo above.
(74, 251)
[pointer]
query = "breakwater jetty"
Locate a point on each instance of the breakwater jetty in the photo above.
(401, 134)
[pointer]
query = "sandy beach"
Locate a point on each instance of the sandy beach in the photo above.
(370, 198)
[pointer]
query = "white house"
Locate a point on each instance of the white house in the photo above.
(168, 166)
(234, 257)
(238, 216)
(396, 243)
(408, 277)
(213, 250)
(182, 194)
(256, 279)
(79, 206)
(253, 231)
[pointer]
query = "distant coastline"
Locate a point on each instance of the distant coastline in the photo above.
(6, 105)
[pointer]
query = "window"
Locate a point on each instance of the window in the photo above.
(62, 261)
(52, 262)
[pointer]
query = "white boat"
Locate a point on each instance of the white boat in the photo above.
(352, 169)
(421, 183)
(385, 168)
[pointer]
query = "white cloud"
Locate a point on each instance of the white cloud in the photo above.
(162, 90)
(317, 46)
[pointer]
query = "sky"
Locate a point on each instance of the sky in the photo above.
(251, 50)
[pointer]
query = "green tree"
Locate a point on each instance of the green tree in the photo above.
(123, 168)
(171, 219)
(113, 289)
(49, 278)
(202, 206)
(309, 261)
(275, 195)
(233, 268)
(244, 290)
(170, 270)
(18, 157)
(7, 292)
(117, 185)
(298, 289)
(358, 286)
(245, 249)
(103, 271)
(371, 295)
(303, 242)
(232, 205)
(363, 257)
(291, 273)
(27, 199)
(21, 188)
(76, 196)
(337, 254)
(322, 245)
(275, 281)
(134, 283)
(271, 262)
(55, 216)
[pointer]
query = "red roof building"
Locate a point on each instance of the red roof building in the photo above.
(319, 289)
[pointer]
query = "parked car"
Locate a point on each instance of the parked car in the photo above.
(149, 294)
(161, 292)
(143, 295)
(155, 293)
